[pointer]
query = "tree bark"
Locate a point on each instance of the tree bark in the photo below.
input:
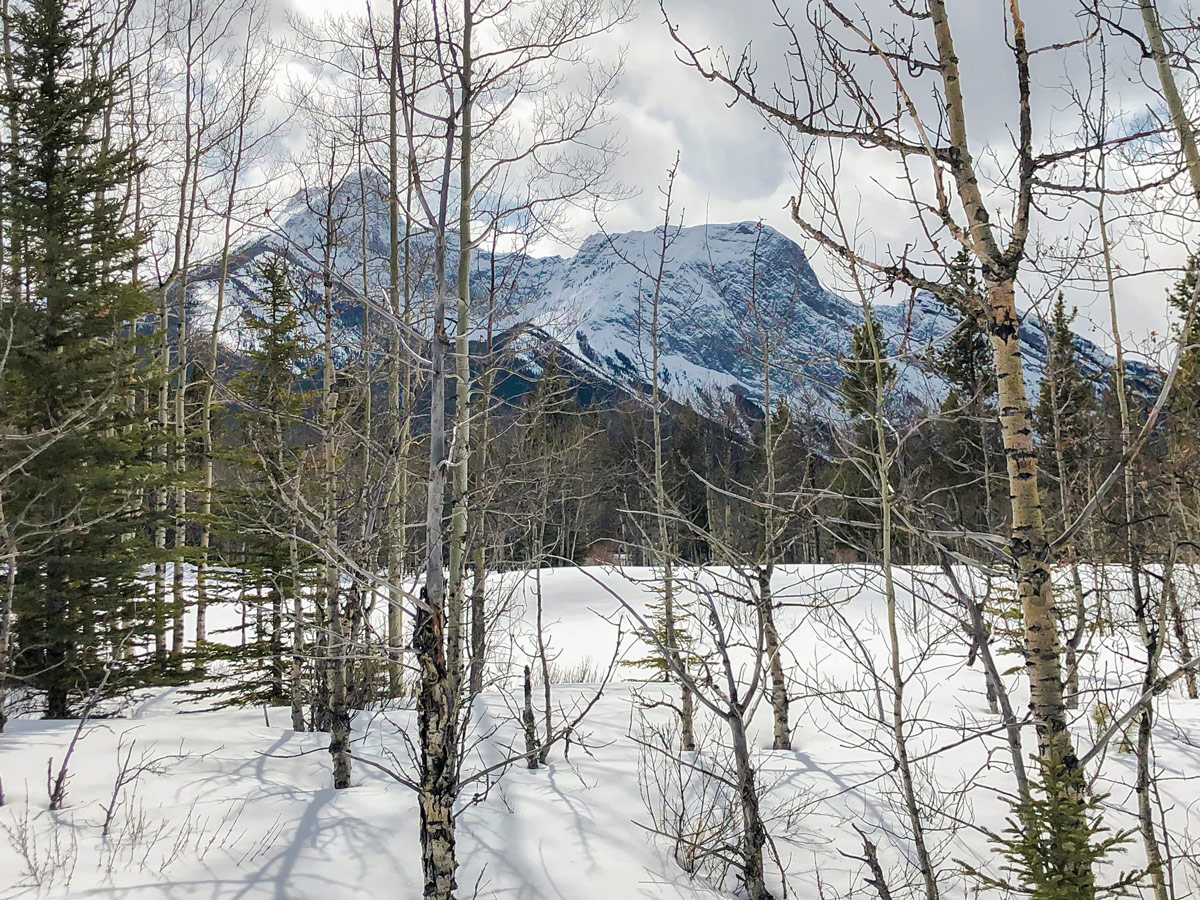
(461, 443)
(754, 833)
(296, 687)
(772, 644)
(6, 604)
(532, 757)
(437, 683)
(339, 712)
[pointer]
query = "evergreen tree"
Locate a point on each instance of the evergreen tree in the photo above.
(72, 377)
(868, 378)
(1054, 842)
(252, 515)
(966, 359)
(966, 431)
(688, 463)
(865, 379)
(1066, 408)
(1185, 393)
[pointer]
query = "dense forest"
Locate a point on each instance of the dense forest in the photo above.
(286, 407)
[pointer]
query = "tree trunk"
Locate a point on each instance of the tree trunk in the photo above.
(460, 448)
(339, 712)
(437, 722)
(997, 692)
(336, 713)
(766, 600)
(663, 551)
(532, 757)
(1151, 633)
(437, 682)
(754, 833)
(276, 645)
(398, 378)
(183, 371)
(773, 646)
(1166, 77)
(297, 680)
(1030, 551)
(159, 494)
(478, 619)
(58, 649)
(544, 660)
(6, 604)
(1180, 632)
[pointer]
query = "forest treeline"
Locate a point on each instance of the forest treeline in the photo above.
(256, 500)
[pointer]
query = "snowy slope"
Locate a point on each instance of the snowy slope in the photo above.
(236, 805)
(723, 287)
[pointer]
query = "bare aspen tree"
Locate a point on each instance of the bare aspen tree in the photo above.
(195, 31)
(881, 456)
(437, 685)
(461, 444)
(1152, 628)
(659, 535)
(663, 552)
(194, 39)
(244, 143)
(400, 372)
(335, 714)
(726, 691)
(763, 332)
(469, 99)
(961, 210)
(1073, 642)
(1151, 621)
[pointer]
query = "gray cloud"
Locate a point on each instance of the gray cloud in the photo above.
(733, 168)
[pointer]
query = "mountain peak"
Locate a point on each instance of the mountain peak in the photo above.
(725, 287)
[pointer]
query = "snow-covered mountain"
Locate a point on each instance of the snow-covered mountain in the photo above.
(723, 287)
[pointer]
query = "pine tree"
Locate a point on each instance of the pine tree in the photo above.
(967, 430)
(868, 378)
(863, 380)
(73, 375)
(266, 460)
(1066, 409)
(1055, 841)
(1185, 393)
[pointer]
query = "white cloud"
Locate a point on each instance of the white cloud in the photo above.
(733, 168)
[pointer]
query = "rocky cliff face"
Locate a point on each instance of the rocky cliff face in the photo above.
(722, 288)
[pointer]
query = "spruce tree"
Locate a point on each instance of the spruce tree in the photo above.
(868, 377)
(73, 374)
(861, 384)
(266, 461)
(688, 463)
(1054, 842)
(967, 434)
(966, 359)
(1184, 406)
(1066, 408)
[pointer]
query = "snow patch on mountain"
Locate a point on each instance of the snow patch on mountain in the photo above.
(720, 289)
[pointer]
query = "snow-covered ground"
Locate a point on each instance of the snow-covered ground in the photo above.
(234, 804)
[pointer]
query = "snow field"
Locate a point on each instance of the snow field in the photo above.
(234, 804)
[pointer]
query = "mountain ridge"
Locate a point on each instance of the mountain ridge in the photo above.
(723, 286)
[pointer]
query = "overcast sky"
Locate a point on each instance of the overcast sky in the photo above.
(732, 168)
